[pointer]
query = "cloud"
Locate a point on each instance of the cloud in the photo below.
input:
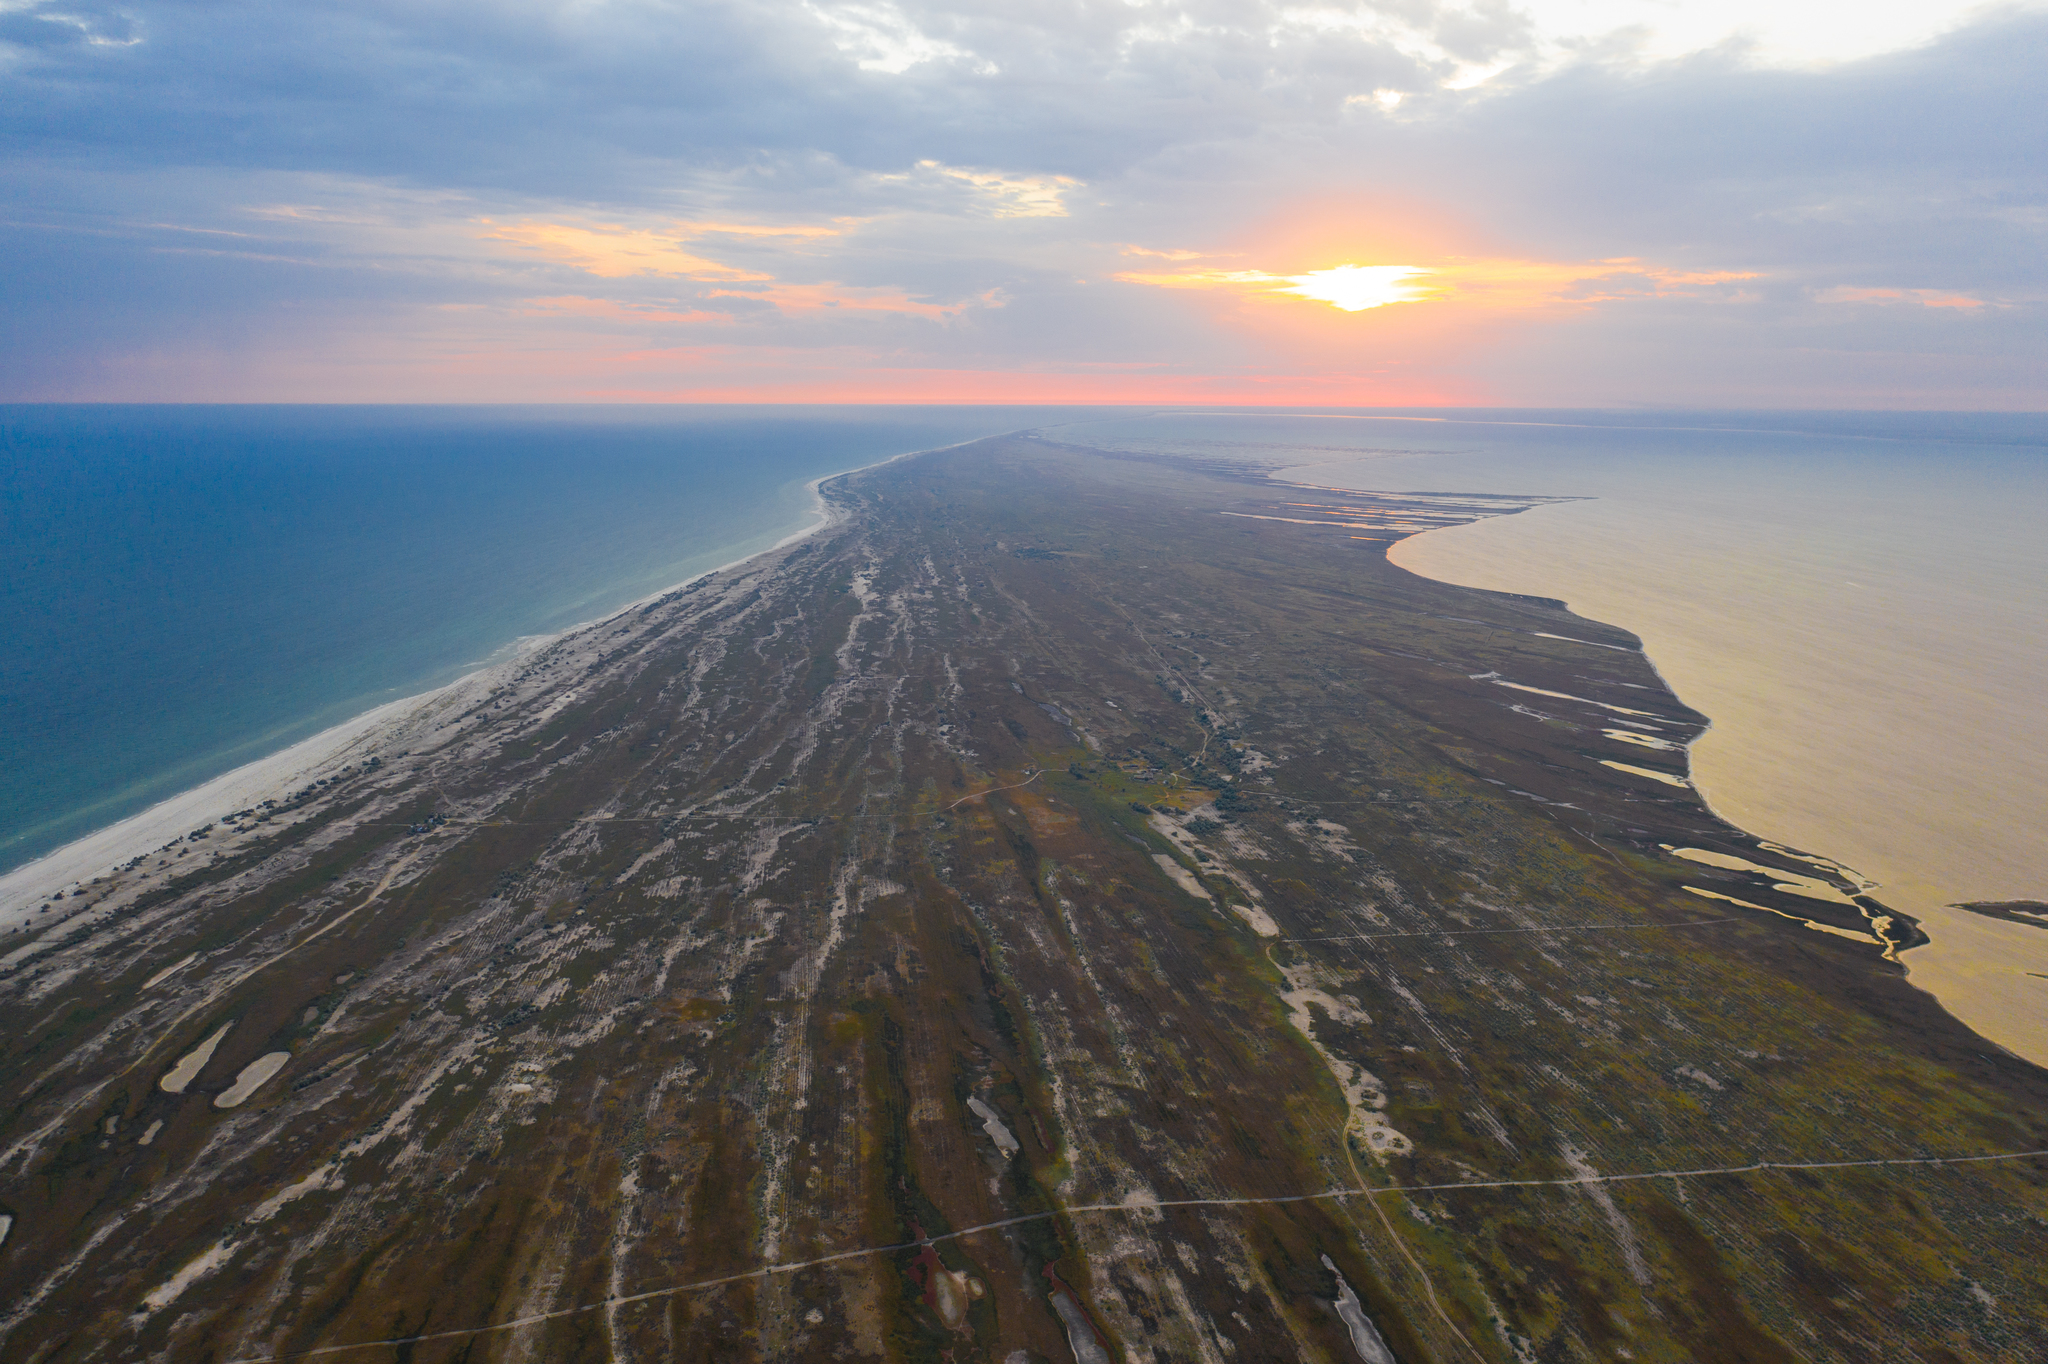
(881, 37)
(612, 252)
(942, 186)
(1000, 195)
(610, 310)
(803, 298)
(1925, 298)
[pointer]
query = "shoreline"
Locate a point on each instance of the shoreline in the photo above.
(1976, 968)
(1028, 746)
(26, 889)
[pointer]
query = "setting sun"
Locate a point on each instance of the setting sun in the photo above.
(1355, 288)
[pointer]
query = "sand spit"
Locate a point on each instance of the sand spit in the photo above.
(251, 1078)
(1824, 733)
(1848, 874)
(1629, 736)
(769, 1069)
(1582, 700)
(1633, 771)
(188, 1067)
(1792, 883)
(1813, 924)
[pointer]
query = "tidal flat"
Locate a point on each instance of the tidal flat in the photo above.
(654, 1001)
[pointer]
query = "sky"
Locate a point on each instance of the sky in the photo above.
(1562, 203)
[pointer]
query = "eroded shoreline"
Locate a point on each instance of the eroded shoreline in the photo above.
(1988, 973)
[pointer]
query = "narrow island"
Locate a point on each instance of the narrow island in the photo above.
(1074, 908)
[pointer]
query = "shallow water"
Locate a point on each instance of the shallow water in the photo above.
(1859, 602)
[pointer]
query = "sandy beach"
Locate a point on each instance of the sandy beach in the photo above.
(45, 901)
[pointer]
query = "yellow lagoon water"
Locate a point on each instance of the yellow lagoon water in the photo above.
(1861, 607)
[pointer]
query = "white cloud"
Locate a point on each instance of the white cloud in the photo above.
(881, 37)
(1781, 32)
(996, 193)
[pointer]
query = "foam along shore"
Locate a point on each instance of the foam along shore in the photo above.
(71, 878)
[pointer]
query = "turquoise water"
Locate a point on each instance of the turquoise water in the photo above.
(186, 589)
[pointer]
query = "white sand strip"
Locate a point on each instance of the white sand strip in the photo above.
(252, 1078)
(188, 1067)
(1791, 882)
(1545, 634)
(1182, 877)
(1644, 740)
(1582, 700)
(175, 966)
(1664, 777)
(312, 1183)
(1813, 924)
(161, 1297)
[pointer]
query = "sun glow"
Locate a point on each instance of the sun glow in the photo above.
(1493, 284)
(1354, 288)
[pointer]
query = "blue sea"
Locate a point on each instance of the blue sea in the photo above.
(187, 589)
